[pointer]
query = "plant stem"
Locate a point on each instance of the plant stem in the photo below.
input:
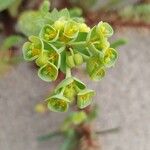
(71, 51)
(79, 43)
(105, 131)
(49, 136)
(62, 91)
(68, 72)
(85, 130)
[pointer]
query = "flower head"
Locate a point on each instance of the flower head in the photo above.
(59, 24)
(42, 58)
(33, 48)
(110, 57)
(84, 98)
(49, 33)
(58, 103)
(102, 44)
(71, 86)
(71, 29)
(53, 55)
(104, 29)
(83, 27)
(95, 68)
(48, 72)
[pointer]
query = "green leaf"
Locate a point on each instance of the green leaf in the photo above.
(78, 19)
(54, 15)
(75, 12)
(31, 22)
(49, 136)
(44, 8)
(93, 114)
(28, 23)
(16, 59)
(118, 43)
(64, 13)
(84, 98)
(11, 41)
(62, 64)
(70, 141)
(4, 4)
(81, 37)
(48, 72)
(13, 9)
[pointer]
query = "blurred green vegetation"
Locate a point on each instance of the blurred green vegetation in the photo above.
(138, 13)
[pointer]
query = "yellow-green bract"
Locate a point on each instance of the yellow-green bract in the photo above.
(84, 98)
(48, 72)
(33, 48)
(58, 103)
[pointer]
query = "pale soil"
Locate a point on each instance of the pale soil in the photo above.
(123, 97)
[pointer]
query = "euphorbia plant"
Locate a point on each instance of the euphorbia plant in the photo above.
(62, 43)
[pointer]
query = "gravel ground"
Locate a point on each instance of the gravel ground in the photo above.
(123, 97)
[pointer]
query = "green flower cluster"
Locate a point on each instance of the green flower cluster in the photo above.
(63, 44)
(102, 55)
(66, 92)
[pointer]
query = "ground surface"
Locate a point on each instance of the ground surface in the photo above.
(123, 96)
